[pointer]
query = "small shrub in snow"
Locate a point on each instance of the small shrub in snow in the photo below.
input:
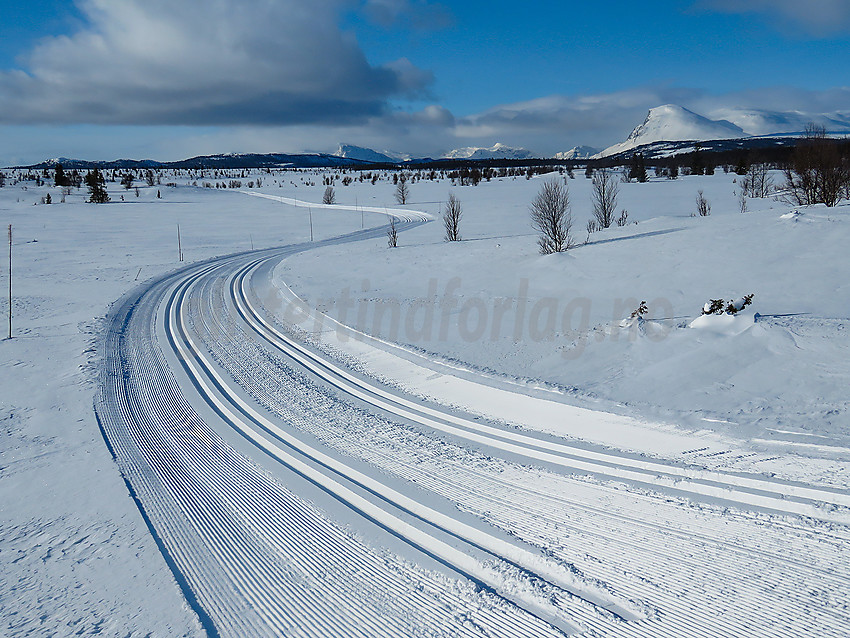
(392, 234)
(623, 219)
(703, 207)
(640, 311)
(330, 196)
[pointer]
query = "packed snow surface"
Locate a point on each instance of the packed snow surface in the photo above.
(300, 431)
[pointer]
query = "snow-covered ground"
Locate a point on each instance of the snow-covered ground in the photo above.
(780, 379)
(765, 396)
(75, 555)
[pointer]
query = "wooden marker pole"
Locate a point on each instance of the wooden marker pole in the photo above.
(10, 281)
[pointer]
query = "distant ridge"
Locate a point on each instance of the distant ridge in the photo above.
(229, 160)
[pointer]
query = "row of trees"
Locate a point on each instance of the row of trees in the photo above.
(552, 219)
(819, 172)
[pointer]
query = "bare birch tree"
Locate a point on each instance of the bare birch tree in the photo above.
(451, 218)
(604, 194)
(551, 217)
(757, 182)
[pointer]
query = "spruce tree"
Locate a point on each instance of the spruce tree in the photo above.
(697, 163)
(97, 187)
(60, 178)
(637, 170)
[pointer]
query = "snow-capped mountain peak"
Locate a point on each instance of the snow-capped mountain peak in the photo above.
(497, 151)
(577, 152)
(671, 123)
(360, 153)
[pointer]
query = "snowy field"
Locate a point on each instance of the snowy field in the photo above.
(780, 379)
(474, 437)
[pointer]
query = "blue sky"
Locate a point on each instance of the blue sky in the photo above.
(152, 78)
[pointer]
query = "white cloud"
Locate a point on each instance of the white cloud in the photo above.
(415, 14)
(817, 17)
(555, 123)
(204, 62)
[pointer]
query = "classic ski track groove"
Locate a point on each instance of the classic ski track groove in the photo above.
(754, 615)
(836, 620)
(230, 405)
(217, 514)
(235, 535)
(747, 491)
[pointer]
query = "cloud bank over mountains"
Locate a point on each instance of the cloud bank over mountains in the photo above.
(287, 75)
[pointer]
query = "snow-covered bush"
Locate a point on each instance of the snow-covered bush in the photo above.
(714, 307)
(737, 305)
(733, 307)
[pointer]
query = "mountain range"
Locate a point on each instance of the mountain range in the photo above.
(667, 130)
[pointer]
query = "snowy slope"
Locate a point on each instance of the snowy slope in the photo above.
(672, 123)
(497, 151)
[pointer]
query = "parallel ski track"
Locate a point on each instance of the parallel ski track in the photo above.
(782, 497)
(829, 622)
(334, 476)
(252, 557)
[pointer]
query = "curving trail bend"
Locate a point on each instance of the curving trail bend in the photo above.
(292, 496)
